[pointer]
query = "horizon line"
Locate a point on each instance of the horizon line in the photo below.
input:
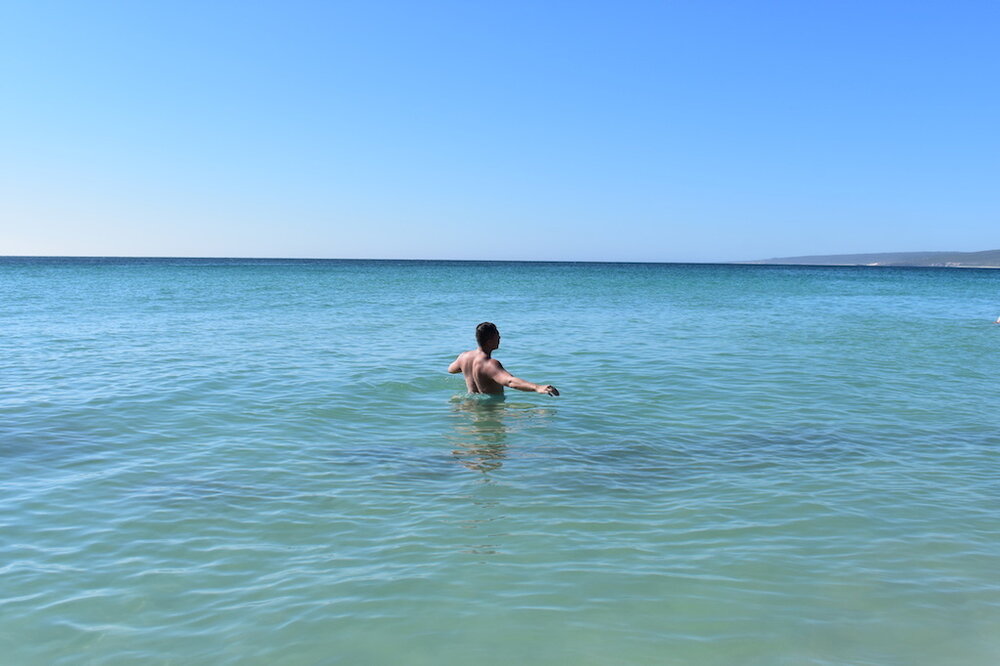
(278, 258)
(755, 262)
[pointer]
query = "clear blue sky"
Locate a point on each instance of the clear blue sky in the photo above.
(646, 131)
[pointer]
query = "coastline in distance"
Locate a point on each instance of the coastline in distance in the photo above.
(985, 259)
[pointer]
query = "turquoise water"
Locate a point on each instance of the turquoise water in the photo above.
(259, 462)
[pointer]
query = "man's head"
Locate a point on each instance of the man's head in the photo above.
(487, 336)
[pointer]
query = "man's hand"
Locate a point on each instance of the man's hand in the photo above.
(548, 389)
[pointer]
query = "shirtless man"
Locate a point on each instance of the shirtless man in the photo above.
(484, 374)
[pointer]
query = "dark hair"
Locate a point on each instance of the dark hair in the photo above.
(485, 331)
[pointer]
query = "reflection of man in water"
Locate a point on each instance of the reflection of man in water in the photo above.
(481, 435)
(484, 374)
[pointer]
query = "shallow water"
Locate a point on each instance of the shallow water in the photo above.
(240, 462)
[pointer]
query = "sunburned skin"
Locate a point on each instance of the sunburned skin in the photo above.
(484, 374)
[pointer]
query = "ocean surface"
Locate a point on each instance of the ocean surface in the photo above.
(266, 462)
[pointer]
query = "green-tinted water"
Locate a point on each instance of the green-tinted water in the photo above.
(266, 462)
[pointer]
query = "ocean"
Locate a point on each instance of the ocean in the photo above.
(265, 461)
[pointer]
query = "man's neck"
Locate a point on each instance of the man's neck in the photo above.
(486, 351)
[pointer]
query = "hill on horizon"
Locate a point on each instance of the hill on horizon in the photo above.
(984, 259)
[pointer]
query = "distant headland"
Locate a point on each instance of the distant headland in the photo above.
(986, 259)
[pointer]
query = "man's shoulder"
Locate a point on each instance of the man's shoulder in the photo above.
(481, 359)
(491, 364)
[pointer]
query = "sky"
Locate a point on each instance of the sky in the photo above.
(587, 131)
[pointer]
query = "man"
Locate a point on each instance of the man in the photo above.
(484, 374)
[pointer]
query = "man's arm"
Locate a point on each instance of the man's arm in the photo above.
(456, 365)
(504, 378)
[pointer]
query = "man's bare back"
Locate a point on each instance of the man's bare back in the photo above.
(484, 374)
